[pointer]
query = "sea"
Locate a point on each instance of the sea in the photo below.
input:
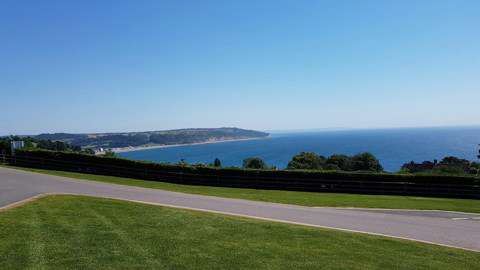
(393, 147)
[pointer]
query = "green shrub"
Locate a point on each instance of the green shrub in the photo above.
(343, 162)
(306, 161)
(366, 162)
(254, 163)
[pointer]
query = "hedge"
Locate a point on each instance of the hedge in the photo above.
(320, 181)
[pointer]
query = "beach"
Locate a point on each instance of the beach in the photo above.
(155, 146)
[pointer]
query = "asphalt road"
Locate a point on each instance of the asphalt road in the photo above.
(439, 227)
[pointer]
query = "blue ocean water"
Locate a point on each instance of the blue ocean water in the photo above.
(393, 147)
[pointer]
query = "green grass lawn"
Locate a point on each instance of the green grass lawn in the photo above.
(74, 232)
(291, 197)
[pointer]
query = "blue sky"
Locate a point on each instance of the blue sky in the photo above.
(96, 66)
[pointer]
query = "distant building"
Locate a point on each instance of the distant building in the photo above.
(16, 145)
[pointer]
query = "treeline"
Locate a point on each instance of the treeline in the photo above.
(365, 162)
(448, 165)
(165, 137)
(362, 162)
(33, 143)
(311, 161)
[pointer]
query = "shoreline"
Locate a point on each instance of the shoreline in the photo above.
(147, 147)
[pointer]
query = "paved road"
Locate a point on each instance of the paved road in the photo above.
(446, 228)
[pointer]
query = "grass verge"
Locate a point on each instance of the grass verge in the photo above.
(290, 197)
(73, 232)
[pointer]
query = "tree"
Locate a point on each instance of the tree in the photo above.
(475, 166)
(254, 163)
(413, 167)
(54, 145)
(306, 161)
(455, 163)
(35, 143)
(4, 146)
(331, 167)
(478, 152)
(366, 162)
(343, 162)
(217, 163)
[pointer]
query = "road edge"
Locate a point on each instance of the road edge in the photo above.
(36, 197)
(22, 202)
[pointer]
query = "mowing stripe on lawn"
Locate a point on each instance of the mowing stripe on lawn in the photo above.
(238, 215)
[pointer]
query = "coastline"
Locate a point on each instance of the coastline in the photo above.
(147, 147)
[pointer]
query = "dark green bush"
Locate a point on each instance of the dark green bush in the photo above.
(254, 163)
(306, 161)
(343, 162)
(366, 162)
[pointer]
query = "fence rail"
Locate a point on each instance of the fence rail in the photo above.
(280, 180)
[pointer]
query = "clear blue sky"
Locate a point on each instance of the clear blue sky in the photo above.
(95, 66)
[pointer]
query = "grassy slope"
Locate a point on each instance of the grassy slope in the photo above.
(292, 197)
(69, 232)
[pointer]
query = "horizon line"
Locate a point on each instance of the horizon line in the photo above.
(263, 130)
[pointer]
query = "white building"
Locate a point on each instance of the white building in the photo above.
(16, 145)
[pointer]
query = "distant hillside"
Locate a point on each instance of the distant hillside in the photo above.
(165, 137)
